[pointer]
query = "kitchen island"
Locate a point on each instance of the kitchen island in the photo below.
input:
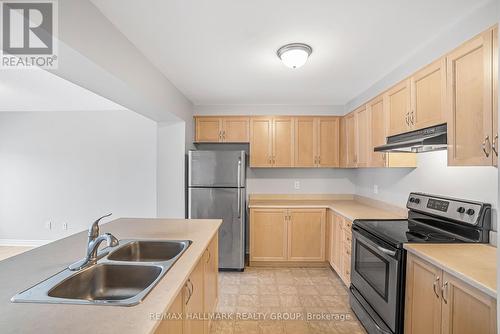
(25, 270)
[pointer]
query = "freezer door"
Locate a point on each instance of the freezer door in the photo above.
(216, 169)
(227, 204)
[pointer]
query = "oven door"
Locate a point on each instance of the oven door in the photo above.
(375, 273)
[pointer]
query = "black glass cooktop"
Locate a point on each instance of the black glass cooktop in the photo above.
(398, 232)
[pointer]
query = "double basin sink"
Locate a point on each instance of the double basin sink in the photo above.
(121, 277)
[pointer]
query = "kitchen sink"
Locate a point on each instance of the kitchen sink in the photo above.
(121, 277)
(148, 251)
(107, 282)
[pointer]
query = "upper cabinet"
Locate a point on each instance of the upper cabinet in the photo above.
(212, 129)
(362, 145)
(261, 141)
(378, 131)
(470, 103)
(328, 141)
(397, 102)
(317, 142)
(428, 96)
(418, 102)
(271, 142)
(349, 142)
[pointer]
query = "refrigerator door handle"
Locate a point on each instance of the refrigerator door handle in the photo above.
(239, 190)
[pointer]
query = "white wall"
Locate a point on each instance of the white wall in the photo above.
(267, 109)
(431, 176)
(171, 167)
(312, 181)
(73, 167)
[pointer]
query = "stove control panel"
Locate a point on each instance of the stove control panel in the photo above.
(460, 210)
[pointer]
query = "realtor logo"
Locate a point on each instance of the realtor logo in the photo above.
(28, 34)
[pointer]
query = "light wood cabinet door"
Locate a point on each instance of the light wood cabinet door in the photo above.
(423, 300)
(336, 237)
(236, 129)
(428, 96)
(175, 324)
(261, 141)
(305, 146)
(268, 234)
(306, 235)
(208, 129)
(351, 139)
(343, 142)
(378, 131)
(465, 309)
(211, 281)
(283, 144)
(328, 141)
(397, 102)
(193, 300)
(363, 133)
(469, 103)
(495, 96)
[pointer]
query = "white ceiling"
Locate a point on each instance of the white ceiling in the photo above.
(223, 51)
(38, 90)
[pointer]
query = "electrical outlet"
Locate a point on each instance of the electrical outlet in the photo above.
(48, 225)
(375, 188)
(296, 185)
(65, 226)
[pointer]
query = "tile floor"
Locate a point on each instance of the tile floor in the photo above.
(262, 293)
(8, 251)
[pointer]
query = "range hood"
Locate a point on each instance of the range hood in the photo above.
(429, 139)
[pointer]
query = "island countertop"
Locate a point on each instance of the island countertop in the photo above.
(27, 269)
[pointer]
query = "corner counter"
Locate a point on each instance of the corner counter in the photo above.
(25, 270)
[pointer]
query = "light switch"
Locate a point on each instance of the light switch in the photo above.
(296, 185)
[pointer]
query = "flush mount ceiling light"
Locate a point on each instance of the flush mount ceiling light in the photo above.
(294, 55)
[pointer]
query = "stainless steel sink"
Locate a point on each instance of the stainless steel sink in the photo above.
(148, 251)
(122, 278)
(107, 282)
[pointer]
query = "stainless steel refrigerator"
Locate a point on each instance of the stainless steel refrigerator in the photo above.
(216, 190)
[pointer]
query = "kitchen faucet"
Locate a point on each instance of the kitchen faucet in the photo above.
(94, 240)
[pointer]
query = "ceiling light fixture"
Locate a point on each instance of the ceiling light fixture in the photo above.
(294, 55)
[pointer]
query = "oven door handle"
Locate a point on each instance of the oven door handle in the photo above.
(386, 251)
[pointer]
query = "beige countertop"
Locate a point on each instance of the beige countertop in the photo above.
(475, 264)
(348, 206)
(25, 270)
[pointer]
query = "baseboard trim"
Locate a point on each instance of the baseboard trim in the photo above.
(20, 242)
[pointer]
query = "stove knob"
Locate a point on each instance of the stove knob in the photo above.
(471, 212)
(417, 200)
(461, 209)
(412, 199)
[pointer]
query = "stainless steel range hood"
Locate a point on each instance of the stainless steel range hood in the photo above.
(424, 140)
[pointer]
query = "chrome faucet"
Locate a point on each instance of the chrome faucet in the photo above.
(93, 243)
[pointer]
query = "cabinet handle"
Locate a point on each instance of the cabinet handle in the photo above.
(269, 160)
(190, 292)
(319, 160)
(487, 146)
(443, 288)
(383, 156)
(407, 117)
(209, 255)
(412, 118)
(220, 135)
(435, 286)
(495, 144)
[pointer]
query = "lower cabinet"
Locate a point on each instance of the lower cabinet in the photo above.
(340, 240)
(306, 235)
(447, 304)
(197, 298)
(287, 235)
